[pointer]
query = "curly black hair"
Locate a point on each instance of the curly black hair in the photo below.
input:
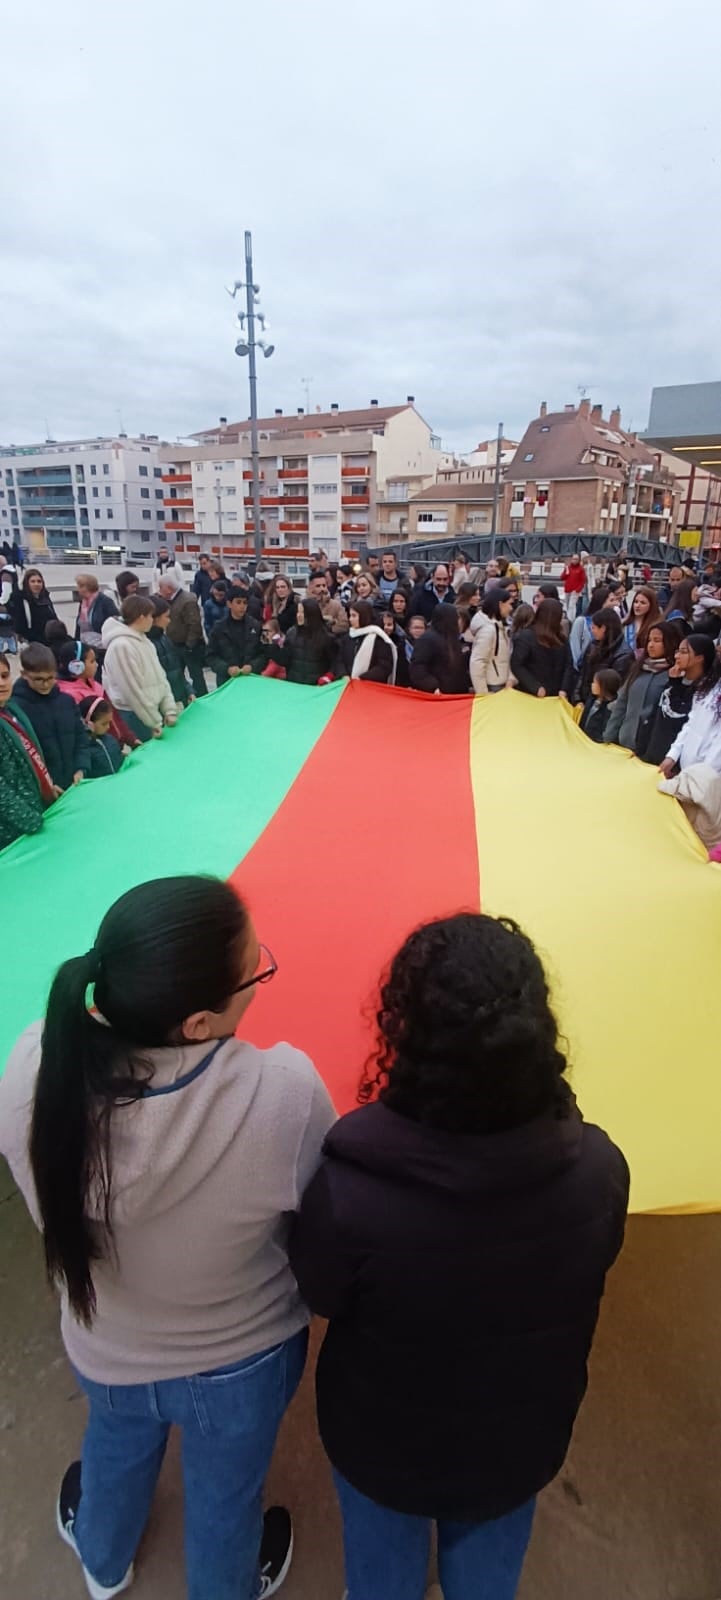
(467, 1041)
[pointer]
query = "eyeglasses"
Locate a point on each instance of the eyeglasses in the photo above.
(263, 976)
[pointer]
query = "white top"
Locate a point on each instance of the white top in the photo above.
(133, 676)
(700, 736)
(205, 1175)
(171, 570)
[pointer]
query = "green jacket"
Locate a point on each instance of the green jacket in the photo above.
(21, 806)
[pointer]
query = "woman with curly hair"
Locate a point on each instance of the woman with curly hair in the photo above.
(457, 1236)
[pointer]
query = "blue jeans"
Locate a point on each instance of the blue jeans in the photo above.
(229, 1420)
(140, 729)
(387, 1554)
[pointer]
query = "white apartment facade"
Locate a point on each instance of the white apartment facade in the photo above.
(323, 477)
(83, 494)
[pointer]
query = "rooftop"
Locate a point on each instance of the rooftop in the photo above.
(573, 444)
(454, 492)
(307, 422)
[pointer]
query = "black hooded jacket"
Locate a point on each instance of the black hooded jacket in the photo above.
(462, 1277)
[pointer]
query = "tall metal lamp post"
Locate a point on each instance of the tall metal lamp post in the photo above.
(246, 345)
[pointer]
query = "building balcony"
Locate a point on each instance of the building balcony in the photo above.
(279, 499)
(179, 527)
(354, 527)
(177, 477)
(293, 527)
(249, 477)
(354, 472)
(293, 472)
(179, 500)
(49, 478)
(355, 500)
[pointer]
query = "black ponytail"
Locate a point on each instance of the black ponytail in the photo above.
(163, 951)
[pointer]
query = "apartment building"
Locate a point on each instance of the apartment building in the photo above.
(575, 472)
(451, 508)
(328, 479)
(83, 494)
(479, 465)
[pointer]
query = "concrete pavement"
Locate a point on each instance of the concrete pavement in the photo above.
(636, 1514)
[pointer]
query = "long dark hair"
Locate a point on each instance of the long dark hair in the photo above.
(702, 645)
(312, 623)
(467, 1041)
(651, 618)
(163, 951)
(366, 614)
(445, 623)
(681, 599)
(43, 596)
(548, 622)
(492, 602)
(602, 650)
(671, 635)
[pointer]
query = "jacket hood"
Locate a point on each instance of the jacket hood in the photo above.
(115, 629)
(390, 1145)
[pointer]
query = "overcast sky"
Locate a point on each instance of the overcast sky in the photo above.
(482, 208)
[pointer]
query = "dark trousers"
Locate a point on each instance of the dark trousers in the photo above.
(193, 660)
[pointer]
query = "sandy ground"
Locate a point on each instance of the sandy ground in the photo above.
(636, 1514)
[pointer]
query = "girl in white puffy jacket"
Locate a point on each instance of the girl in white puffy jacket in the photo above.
(132, 674)
(491, 651)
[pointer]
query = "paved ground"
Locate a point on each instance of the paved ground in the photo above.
(635, 1516)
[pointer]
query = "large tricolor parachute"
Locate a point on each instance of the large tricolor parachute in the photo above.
(348, 814)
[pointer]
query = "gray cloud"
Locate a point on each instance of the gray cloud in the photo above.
(482, 211)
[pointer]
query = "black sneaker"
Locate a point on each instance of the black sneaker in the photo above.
(67, 1510)
(276, 1550)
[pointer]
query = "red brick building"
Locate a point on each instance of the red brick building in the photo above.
(575, 472)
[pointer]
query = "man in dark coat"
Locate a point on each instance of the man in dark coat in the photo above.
(438, 591)
(202, 581)
(185, 631)
(54, 717)
(234, 647)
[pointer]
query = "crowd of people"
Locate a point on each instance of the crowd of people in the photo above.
(636, 665)
(199, 1199)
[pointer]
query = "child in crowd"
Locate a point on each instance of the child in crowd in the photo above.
(26, 787)
(168, 653)
(106, 755)
(56, 636)
(597, 710)
(53, 717)
(78, 677)
(215, 608)
(134, 677)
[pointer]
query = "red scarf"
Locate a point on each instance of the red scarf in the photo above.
(45, 782)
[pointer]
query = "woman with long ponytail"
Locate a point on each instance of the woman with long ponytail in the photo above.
(161, 1157)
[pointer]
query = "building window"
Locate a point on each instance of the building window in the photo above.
(146, 516)
(541, 497)
(82, 497)
(545, 428)
(529, 457)
(96, 492)
(160, 516)
(106, 470)
(108, 493)
(80, 473)
(157, 473)
(110, 516)
(93, 472)
(97, 514)
(324, 516)
(145, 494)
(158, 494)
(326, 488)
(142, 472)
